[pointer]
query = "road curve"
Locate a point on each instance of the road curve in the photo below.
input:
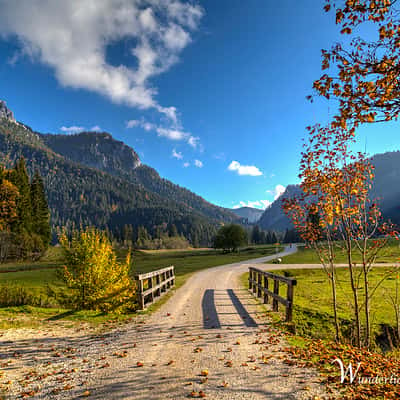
(210, 323)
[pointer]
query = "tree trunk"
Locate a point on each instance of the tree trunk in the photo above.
(334, 303)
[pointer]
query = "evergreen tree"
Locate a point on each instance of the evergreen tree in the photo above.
(128, 235)
(256, 235)
(40, 210)
(172, 230)
(19, 177)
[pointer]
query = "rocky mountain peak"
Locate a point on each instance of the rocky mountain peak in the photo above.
(5, 112)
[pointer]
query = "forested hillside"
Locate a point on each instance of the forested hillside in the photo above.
(99, 181)
(102, 151)
(385, 190)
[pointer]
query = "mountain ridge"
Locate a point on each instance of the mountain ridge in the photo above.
(251, 214)
(88, 183)
(385, 189)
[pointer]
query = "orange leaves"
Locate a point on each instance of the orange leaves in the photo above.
(367, 71)
(346, 31)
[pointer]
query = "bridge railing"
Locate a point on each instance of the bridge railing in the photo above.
(153, 285)
(259, 285)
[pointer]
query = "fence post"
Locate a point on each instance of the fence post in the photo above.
(259, 278)
(250, 278)
(140, 295)
(276, 291)
(289, 307)
(265, 288)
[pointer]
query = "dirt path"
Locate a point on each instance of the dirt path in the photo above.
(211, 323)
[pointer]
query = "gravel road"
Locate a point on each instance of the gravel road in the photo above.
(210, 337)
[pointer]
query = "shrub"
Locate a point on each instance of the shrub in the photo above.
(16, 295)
(97, 281)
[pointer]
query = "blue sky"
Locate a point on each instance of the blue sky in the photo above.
(211, 94)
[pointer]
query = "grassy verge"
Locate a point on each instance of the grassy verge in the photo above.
(390, 254)
(35, 277)
(312, 345)
(313, 316)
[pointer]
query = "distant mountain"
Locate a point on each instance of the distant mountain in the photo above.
(250, 214)
(274, 219)
(385, 189)
(93, 179)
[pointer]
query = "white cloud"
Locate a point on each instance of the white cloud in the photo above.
(174, 133)
(261, 204)
(277, 191)
(244, 169)
(186, 164)
(96, 128)
(72, 129)
(72, 37)
(177, 155)
(132, 123)
(198, 163)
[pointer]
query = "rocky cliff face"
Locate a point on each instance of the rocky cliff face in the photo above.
(5, 112)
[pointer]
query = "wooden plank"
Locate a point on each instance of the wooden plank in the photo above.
(281, 278)
(153, 273)
(275, 296)
(155, 288)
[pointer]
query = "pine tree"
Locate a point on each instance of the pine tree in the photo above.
(19, 177)
(256, 235)
(172, 230)
(40, 209)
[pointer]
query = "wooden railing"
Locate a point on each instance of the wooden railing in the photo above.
(259, 286)
(153, 285)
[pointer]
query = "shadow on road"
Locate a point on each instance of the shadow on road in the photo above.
(246, 317)
(210, 315)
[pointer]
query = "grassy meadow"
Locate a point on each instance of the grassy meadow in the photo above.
(389, 254)
(313, 316)
(35, 277)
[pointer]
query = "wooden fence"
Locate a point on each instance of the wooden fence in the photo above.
(259, 286)
(153, 285)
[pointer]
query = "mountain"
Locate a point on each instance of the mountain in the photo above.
(93, 179)
(101, 151)
(385, 189)
(5, 112)
(274, 219)
(250, 214)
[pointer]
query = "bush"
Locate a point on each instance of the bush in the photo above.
(97, 281)
(16, 295)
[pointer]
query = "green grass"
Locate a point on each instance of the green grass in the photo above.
(36, 276)
(390, 254)
(313, 316)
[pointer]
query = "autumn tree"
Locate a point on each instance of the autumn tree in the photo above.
(8, 202)
(92, 272)
(335, 214)
(363, 76)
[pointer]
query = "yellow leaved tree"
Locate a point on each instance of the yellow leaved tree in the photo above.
(92, 273)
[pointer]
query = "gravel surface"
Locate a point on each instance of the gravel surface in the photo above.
(209, 338)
